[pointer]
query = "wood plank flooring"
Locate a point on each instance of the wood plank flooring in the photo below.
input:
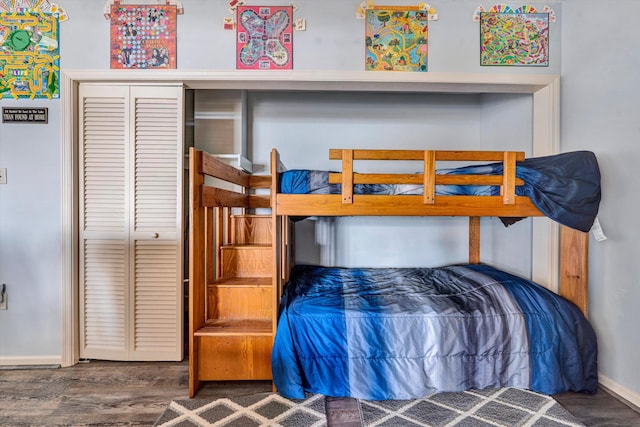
(100, 393)
(601, 409)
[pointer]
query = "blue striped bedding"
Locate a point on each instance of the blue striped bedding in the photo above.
(401, 333)
(565, 187)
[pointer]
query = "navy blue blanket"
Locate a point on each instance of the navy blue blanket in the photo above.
(565, 187)
(405, 333)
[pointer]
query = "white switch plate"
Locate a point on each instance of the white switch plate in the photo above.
(3, 175)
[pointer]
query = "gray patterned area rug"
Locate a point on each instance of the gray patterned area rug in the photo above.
(506, 407)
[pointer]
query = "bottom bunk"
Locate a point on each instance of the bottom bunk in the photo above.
(400, 333)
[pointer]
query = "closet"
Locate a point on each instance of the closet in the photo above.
(102, 247)
(131, 232)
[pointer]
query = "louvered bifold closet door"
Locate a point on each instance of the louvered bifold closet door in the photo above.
(157, 295)
(104, 222)
(131, 180)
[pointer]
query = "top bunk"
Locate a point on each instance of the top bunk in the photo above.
(564, 187)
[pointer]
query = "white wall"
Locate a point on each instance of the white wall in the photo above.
(30, 235)
(601, 112)
(598, 63)
(304, 126)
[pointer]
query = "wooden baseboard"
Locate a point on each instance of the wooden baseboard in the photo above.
(22, 361)
(629, 397)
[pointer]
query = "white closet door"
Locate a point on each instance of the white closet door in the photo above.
(130, 160)
(104, 222)
(156, 224)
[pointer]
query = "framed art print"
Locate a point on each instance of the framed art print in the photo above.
(396, 39)
(264, 37)
(514, 39)
(143, 36)
(30, 55)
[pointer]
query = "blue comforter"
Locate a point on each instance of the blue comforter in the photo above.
(400, 333)
(565, 187)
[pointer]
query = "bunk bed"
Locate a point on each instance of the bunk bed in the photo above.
(393, 333)
(381, 333)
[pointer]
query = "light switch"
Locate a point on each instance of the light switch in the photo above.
(3, 175)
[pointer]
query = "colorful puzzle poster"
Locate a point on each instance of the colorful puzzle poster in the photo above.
(265, 37)
(29, 55)
(396, 39)
(514, 39)
(143, 36)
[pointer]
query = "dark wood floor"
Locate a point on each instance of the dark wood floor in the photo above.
(135, 394)
(601, 409)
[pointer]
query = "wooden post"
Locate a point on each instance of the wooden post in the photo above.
(509, 178)
(429, 191)
(196, 264)
(347, 176)
(276, 246)
(574, 254)
(218, 239)
(474, 240)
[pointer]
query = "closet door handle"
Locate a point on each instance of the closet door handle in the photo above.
(156, 235)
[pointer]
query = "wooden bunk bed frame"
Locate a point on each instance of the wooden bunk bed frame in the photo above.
(574, 244)
(207, 203)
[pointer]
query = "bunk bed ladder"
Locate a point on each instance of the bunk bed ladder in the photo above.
(232, 302)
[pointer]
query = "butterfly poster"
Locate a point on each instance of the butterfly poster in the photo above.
(143, 36)
(265, 37)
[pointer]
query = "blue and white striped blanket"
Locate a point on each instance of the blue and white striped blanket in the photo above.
(401, 333)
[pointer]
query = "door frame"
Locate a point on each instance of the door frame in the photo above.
(545, 89)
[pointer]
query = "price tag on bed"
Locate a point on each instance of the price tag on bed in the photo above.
(596, 229)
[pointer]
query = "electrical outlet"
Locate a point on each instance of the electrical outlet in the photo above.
(3, 175)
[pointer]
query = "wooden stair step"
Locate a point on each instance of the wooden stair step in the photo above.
(246, 261)
(248, 247)
(251, 229)
(236, 327)
(240, 298)
(243, 282)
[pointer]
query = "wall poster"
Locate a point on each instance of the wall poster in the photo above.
(143, 36)
(514, 38)
(29, 55)
(264, 37)
(396, 39)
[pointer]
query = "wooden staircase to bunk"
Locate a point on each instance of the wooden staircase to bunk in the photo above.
(238, 334)
(232, 302)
